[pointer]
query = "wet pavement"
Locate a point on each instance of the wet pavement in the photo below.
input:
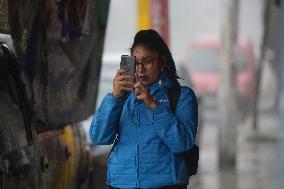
(260, 161)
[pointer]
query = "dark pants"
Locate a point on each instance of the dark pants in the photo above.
(166, 187)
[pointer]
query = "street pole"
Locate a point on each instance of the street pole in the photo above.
(227, 93)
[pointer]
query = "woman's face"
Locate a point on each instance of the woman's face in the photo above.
(148, 65)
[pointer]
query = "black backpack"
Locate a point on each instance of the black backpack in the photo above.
(191, 156)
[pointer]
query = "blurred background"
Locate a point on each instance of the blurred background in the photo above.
(58, 59)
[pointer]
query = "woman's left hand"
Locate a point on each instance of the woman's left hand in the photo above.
(143, 94)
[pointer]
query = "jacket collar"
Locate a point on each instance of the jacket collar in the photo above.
(162, 83)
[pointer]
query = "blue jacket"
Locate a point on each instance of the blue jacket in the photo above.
(151, 142)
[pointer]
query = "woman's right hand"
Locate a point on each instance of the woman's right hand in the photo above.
(122, 82)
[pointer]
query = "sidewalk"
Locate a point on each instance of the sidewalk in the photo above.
(260, 161)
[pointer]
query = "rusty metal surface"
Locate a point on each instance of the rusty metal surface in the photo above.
(12, 129)
(60, 46)
(18, 153)
(63, 73)
(14, 122)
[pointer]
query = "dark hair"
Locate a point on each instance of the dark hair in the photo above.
(151, 40)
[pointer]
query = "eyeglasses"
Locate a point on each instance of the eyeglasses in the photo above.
(147, 63)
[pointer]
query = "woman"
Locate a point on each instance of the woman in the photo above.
(151, 138)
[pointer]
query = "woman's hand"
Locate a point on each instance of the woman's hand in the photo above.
(143, 94)
(122, 82)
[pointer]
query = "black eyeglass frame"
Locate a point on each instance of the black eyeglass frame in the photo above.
(146, 63)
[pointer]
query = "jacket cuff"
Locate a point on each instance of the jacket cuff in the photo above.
(114, 100)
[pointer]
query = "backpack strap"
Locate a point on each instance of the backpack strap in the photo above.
(174, 94)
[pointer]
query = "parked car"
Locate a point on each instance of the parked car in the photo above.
(202, 62)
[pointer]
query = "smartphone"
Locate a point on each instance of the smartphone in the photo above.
(128, 62)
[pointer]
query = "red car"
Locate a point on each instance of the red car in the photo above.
(202, 64)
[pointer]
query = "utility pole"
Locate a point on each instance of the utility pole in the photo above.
(227, 92)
